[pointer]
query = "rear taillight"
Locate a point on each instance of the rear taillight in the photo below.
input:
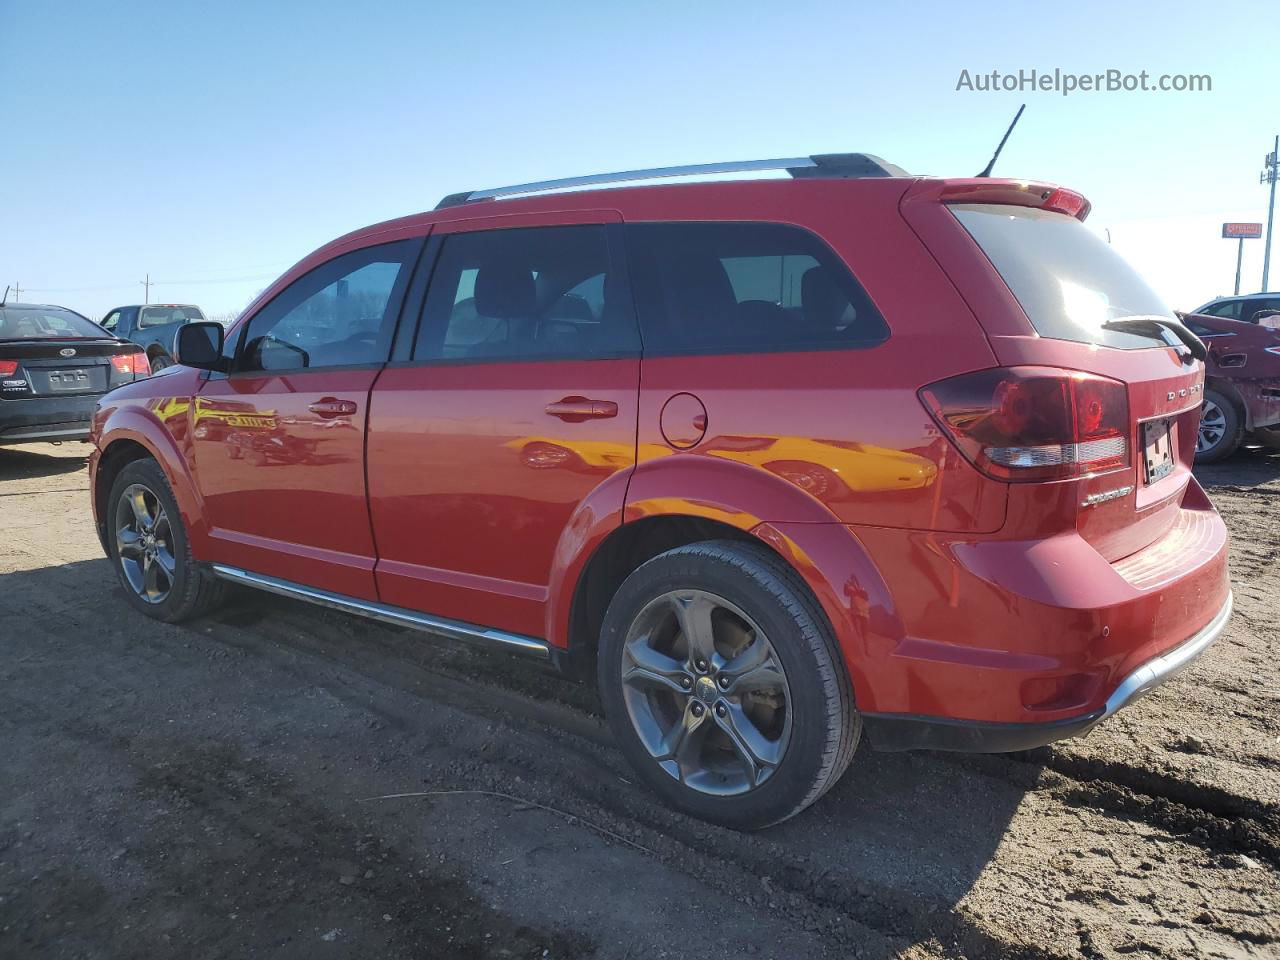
(134, 363)
(1034, 423)
(8, 368)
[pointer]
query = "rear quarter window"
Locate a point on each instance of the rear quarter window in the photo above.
(707, 288)
(1068, 281)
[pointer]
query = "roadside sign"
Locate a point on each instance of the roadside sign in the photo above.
(1241, 231)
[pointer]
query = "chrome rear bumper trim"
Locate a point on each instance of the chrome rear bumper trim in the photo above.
(1159, 669)
(454, 629)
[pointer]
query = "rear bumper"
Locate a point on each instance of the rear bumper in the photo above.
(46, 418)
(1026, 640)
(907, 732)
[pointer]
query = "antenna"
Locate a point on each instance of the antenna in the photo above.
(986, 171)
(6, 295)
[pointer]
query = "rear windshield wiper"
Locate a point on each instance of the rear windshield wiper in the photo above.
(1157, 326)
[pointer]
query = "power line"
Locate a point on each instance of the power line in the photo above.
(157, 283)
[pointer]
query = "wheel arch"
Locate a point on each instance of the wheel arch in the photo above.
(827, 557)
(1232, 393)
(129, 437)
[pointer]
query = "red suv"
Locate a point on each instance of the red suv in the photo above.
(779, 461)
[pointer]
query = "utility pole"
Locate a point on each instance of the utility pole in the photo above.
(147, 284)
(1269, 170)
(17, 292)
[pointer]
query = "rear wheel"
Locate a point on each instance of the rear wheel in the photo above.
(149, 549)
(724, 685)
(1220, 428)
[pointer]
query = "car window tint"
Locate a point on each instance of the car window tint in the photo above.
(19, 322)
(1230, 309)
(1254, 307)
(528, 293)
(161, 316)
(341, 313)
(745, 288)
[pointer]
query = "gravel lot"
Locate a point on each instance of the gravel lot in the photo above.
(201, 791)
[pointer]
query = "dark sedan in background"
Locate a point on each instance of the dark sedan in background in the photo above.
(1241, 386)
(54, 365)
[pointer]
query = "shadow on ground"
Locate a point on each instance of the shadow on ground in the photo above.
(198, 786)
(19, 464)
(1246, 468)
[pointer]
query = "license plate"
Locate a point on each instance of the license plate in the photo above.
(1157, 450)
(69, 380)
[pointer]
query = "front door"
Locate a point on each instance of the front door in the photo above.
(279, 442)
(518, 406)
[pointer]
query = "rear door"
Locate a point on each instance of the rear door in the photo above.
(1078, 293)
(515, 406)
(279, 442)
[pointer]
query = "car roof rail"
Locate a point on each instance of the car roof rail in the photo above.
(833, 166)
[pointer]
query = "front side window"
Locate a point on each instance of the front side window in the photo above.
(342, 313)
(525, 294)
(112, 321)
(1252, 308)
(745, 288)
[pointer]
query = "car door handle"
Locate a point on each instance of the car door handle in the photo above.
(578, 409)
(329, 407)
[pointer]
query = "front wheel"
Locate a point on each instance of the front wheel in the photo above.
(724, 685)
(160, 361)
(147, 544)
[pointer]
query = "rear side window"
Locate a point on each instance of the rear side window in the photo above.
(1228, 309)
(745, 288)
(1068, 280)
(537, 293)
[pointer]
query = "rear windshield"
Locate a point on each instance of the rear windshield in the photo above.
(1068, 280)
(45, 323)
(159, 316)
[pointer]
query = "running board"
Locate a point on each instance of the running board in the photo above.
(454, 629)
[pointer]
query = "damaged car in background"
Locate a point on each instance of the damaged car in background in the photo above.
(1241, 388)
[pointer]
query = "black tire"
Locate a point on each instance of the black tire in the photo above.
(160, 361)
(192, 589)
(824, 723)
(1220, 443)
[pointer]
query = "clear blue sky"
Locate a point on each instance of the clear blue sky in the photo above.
(213, 145)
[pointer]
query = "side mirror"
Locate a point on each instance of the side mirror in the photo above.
(200, 345)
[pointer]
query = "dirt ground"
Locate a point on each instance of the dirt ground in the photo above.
(202, 791)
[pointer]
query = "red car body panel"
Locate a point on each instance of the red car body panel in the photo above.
(472, 486)
(1246, 358)
(951, 594)
(294, 505)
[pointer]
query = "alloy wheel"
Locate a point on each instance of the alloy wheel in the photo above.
(1213, 426)
(706, 693)
(144, 543)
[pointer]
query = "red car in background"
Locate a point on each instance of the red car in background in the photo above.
(1242, 385)
(775, 462)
